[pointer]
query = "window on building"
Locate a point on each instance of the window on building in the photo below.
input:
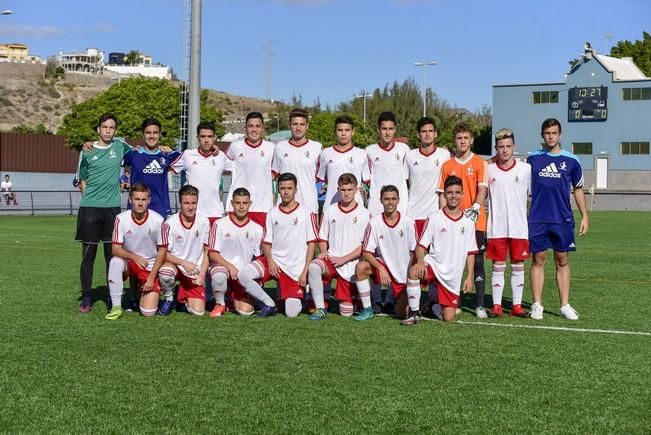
(634, 148)
(545, 97)
(582, 147)
(634, 94)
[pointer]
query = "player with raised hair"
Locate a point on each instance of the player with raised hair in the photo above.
(554, 172)
(472, 171)
(508, 192)
(185, 237)
(289, 242)
(387, 253)
(251, 158)
(447, 245)
(299, 156)
(234, 242)
(340, 245)
(137, 253)
(204, 167)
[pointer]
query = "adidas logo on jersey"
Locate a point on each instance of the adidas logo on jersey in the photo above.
(153, 168)
(227, 235)
(550, 171)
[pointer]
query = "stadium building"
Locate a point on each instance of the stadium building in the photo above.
(604, 106)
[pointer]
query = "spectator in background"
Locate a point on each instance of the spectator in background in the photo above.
(125, 180)
(6, 187)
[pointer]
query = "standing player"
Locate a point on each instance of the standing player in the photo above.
(137, 253)
(204, 168)
(234, 242)
(251, 158)
(288, 247)
(554, 172)
(99, 176)
(340, 245)
(343, 157)
(185, 235)
(447, 244)
(299, 156)
(472, 171)
(388, 248)
(508, 192)
(149, 165)
(6, 187)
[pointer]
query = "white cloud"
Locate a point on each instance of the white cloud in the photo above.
(104, 28)
(36, 32)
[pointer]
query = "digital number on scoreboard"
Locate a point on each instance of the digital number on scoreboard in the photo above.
(587, 104)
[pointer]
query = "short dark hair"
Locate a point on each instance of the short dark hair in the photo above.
(299, 113)
(139, 187)
(462, 127)
(206, 126)
(344, 119)
(241, 191)
(550, 122)
(426, 120)
(253, 115)
(386, 116)
(389, 188)
(287, 176)
(105, 117)
(188, 190)
(150, 121)
(452, 180)
(347, 178)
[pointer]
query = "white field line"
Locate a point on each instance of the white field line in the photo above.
(556, 328)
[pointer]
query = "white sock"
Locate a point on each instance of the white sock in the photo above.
(413, 294)
(167, 278)
(115, 282)
(497, 283)
(346, 309)
(293, 307)
(314, 273)
(219, 281)
(517, 282)
(247, 278)
(364, 289)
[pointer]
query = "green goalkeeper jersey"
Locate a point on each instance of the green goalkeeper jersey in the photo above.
(100, 169)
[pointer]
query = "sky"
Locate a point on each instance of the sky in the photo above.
(332, 50)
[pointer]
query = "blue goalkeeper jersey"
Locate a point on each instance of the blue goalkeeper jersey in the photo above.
(552, 176)
(151, 169)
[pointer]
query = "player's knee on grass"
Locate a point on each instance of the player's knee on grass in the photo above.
(293, 307)
(243, 308)
(196, 307)
(449, 313)
(346, 309)
(149, 304)
(402, 305)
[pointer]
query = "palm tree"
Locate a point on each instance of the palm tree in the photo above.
(132, 57)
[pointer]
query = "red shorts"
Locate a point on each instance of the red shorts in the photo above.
(188, 289)
(498, 248)
(420, 226)
(137, 272)
(445, 297)
(287, 286)
(259, 217)
(393, 284)
(234, 290)
(345, 291)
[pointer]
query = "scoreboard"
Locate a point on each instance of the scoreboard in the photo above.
(587, 104)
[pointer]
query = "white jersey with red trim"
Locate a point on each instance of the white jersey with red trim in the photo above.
(333, 163)
(508, 192)
(393, 244)
(387, 166)
(238, 244)
(424, 172)
(448, 241)
(205, 173)
(302, 161)
(288, 233)
(140, 238)
(344, 232)
(186, 243)
(252, 170)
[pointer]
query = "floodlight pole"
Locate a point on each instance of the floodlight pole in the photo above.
(364, 95)
(425, 65)
(194, 94)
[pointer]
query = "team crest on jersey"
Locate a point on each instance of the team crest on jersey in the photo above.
(246, 235)
(261, 153)
(401, 233)
(213, 162)
(162, 160)
(463, 230)
(112, 154)
(354, 219)
(397, 156)
(438, 163)
(295, 221)
(350, 159)
(470, 170)
(307, 154)
(149, 232)
(196, 233)
(516, 179)
(563, 166)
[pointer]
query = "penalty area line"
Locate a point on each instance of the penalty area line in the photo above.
(557, 328)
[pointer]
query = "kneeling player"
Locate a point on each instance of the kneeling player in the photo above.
(137, 253)
(234, 242)
(387, 251)
(450, 237)
(185, 235)
(340, 243)
(288, 247)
